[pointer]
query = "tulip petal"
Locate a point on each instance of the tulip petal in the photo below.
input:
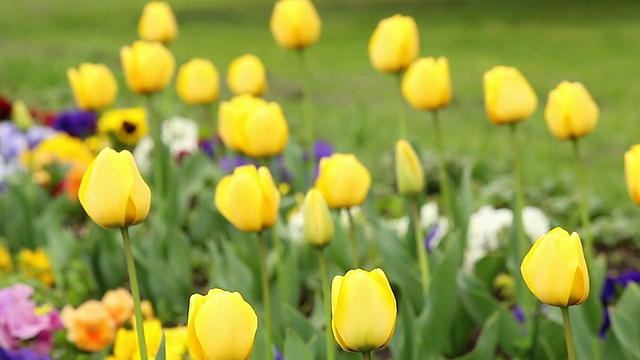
(139, 202)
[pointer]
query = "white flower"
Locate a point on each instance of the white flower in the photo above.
(429, 215)
(400, 225)
(536, 223)
(485, 226)
(295, 226)
(180, 135)
(142, 153)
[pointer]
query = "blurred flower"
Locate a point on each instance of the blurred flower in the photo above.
(221, 325)
(157, 22)
(20, 322)
(5, 108)
(409, 172)
(485, 228)
(12, 141)
(535, 222)
(119, 304)
(73, 179)
(518, 314)
(126, 345)
(632, 172)
(94, 86)
(20, 115)
(198, 82)
(295, 225)
(508, 96)
(97, 142)
(180, 135)
(127, 125)
(6, 263)
(395, 44)
(295, 24)
(229, 163)
(555, 270)
(318, 224)
(112, 191)
(571, 112)
(76, 123)
(321, 149)
(248, 198)
(613, 286)
(36, 134)
(247, 75)
(89, 327)
(427, 84)
(343, 180)
(36, 265)
(22, 354)
(148, 67)
(364, 310)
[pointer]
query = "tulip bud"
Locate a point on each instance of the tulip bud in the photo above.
(395, 44)
(157, 22)
(148, 67)
(427, 84)
(343, 180)
(247, 76)
(318, 225)
(198, 82)
(555, 270)
(112, 192)
(571, 112)
(409, 172)
(221, 325)
(21, 116)
(364, 310)
(632, 172)
(508, 96)
(295, 24)
(94, 86)
(248, 198)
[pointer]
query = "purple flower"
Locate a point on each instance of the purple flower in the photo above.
(12, 141)
(606, 323)
(228, 163)
(76, 123)
(22, 354)
(608, 290)
(276, 353)
(321, 149)
(37, 133)
(628, 276)
(518, 314)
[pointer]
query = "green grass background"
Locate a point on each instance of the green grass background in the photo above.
(597, 43)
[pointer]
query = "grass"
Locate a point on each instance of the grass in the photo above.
(356, 107)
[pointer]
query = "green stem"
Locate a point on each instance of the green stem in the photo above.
(402, 116)
(282, 285)
(266, 297)
(584, 205)
(354, 240)
(423, 259)
(536, 329)
(366, 355)
(327, 304)
(155, 126)
(308, 109)
(444, 179)
(135, 292)
(567, 333)
(517, 175)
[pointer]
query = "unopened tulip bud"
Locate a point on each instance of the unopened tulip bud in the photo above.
(94, 86)
(148, 66)
(508, 96)
(343, 180)
(318, 224)
(409, 172)
(295, 24)
(247, 75)
(571, 112)
(427, 84)
(158, 23)
(198, 82)
(395, 44)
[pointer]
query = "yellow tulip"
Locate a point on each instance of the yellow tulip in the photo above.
(508, 96)
(148, 66)
(555, 270)
(295, 24)
(571, 112)
(318, 225)
(127, 125)
(395, 44)
(247, 76)
(248, 198)
(157, 22)
(112, 192)
(198, 82)
(632, 172)
(364, 310)
(427, 84)
(245, 120)
(94, 86)
(221, 326)
(409, 172)
(343, 180)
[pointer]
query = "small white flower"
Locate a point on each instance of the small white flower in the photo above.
(485, 227)
(180, 135)
(295, 226)
(535, 222)
(400, 225)
(142, 153)
(429, 215)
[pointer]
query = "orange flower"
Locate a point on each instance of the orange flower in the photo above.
(89, 327)
(119, 304)
(73, 179)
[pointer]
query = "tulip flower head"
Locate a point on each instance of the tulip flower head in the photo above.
(148, 66)
(317, 226)
(247, 75)
(343, 180)
(395, 44)
(555, 269)
(112, 191)
(427, 84)
(198, 82)
(221, 326)
(94, 86)
(248, 198)
(364, 310)
(295, 24)
(632, 172)
(157, 22)
(409, 172)
(508, 96)
(571, 112)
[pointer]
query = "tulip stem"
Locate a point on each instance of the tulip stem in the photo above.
(402, 116)
(135, 291)
(308, 109)
(567, 333)
(266, 297)
(444, 178)
(366, 355)
(354, 240)
(327, 304)
(158, 152)
(584, 205)
(517, 174)
(423, 259)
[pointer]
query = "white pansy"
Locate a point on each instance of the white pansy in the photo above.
(295, 226)
(180, 135)
(142, 153)
(536, 223)
(485, 227)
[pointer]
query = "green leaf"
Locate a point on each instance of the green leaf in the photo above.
(161, 354)
(487, 341)
(625, 322)
(295, 348)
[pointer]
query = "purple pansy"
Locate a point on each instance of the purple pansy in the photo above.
(610, 290)
(22, 354)
(76, 123)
